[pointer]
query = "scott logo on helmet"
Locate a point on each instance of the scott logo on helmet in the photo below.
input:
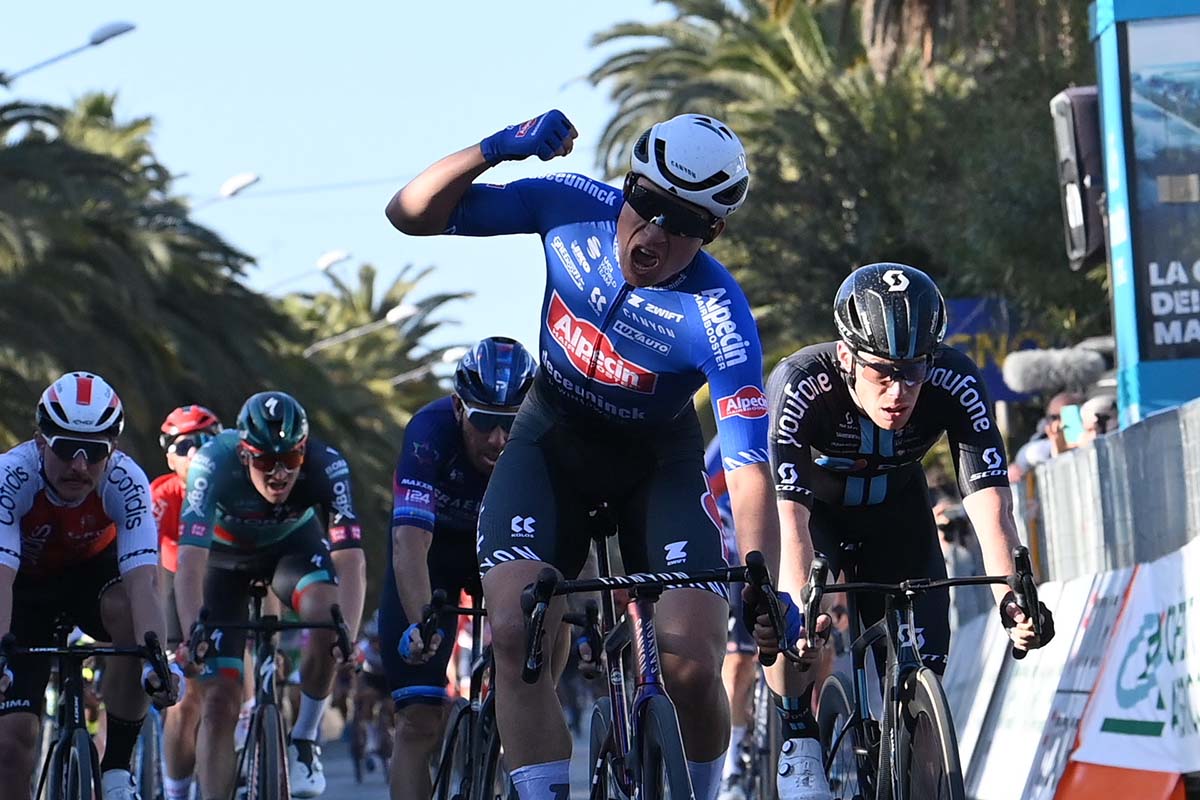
(748, 402)
(896, 280)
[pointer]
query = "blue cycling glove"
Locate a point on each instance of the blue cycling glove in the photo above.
(406, 644)
(793, 621)
(541, 136)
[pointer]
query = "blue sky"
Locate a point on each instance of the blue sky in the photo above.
(305, 97)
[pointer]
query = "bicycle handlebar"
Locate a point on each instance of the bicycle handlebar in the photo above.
(535, 599)
(151, 651)
(428, 625)
(270, 625)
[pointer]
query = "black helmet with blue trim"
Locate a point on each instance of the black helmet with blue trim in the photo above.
(890, 310)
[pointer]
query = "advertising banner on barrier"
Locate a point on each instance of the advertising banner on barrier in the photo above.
(1145, 711)
(1022, 700)
(1088, 645)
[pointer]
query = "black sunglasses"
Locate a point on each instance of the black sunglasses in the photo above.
(885, 373)
(68, 448)
(670, 214)
(184, 444)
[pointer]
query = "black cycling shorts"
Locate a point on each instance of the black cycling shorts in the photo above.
(37, 601)
(291, 565)
(899, 541)
(452, 569)
(557, 467)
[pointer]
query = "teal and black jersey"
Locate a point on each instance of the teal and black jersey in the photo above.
(824, 448)
(222, 508)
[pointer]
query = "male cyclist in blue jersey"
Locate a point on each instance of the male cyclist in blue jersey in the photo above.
(450, 449)
(850, 422)
(635, 319)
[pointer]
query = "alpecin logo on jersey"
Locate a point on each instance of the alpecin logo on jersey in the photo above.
(748, 402)
(582, 342)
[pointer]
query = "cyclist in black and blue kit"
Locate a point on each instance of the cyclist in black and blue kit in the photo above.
(450, 449)
(850, 422)
(635, 319)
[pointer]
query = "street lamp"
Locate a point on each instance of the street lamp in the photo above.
(394, 316)
(231, 187)
(98, 37)
(328, 260)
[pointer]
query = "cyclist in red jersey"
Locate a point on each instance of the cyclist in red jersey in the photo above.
(76, 538)
(184, 431)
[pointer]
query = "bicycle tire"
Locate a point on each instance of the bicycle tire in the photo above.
(454, 762)
(492, 781)
(268, 773)
(664, 772)
(765, 744)
(929, 762)
(147, 760)
(82, 776)
(598, 733)
(850, 773)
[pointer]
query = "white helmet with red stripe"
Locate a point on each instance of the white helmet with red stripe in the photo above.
(80, 402)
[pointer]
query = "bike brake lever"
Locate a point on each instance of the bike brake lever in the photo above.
(1025, 593)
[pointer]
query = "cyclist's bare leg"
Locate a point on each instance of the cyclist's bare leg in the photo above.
(737, 674)
(125, 701)
(530, 718)
(317, 662)
(215, 757)
(691, 627)
(180, 724)
(18, 750)
(419, 728)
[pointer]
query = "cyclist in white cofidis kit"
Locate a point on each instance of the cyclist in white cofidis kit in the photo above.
(76, 538)
(635, 318)
(850, 423)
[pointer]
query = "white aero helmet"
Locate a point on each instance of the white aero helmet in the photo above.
(697, 158)
(80, 402)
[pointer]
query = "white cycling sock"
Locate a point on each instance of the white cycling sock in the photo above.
(546, 781)
(706, 777)
(732, 756)
(177, 788)
(308, 720)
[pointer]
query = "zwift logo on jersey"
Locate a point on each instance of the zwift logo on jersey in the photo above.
(588, 349)
(727, 344)
(748, 402)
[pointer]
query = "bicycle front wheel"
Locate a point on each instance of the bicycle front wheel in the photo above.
(664, 770)
(492, 781)
(81, 768)
(766, 741)
(847, 762)
(450, 780)
(268, 778)
(147, 759)
(929, 766)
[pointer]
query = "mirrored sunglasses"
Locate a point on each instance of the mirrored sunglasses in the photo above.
(673, 216)
(486, 420)
(267, 462)
(68, 448)
(885, 373)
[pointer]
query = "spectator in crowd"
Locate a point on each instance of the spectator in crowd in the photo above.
(1048, 441)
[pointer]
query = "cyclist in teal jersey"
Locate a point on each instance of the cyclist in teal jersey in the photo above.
(251, 513)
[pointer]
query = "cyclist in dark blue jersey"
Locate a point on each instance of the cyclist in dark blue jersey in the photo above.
(850, 422)
(450, 449)
(635, 318)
